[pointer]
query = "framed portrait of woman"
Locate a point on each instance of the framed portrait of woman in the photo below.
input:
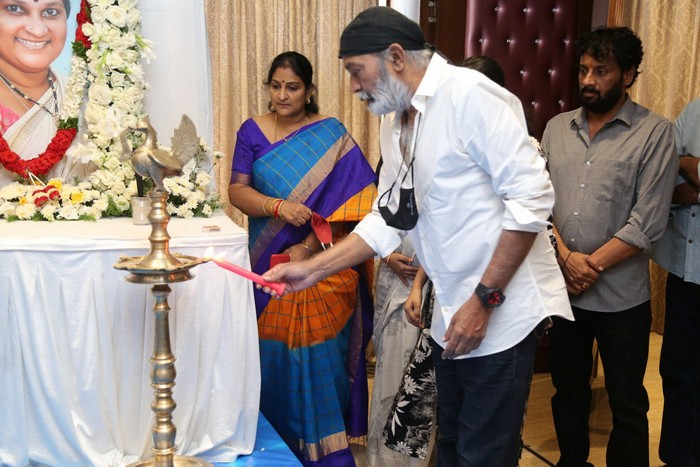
(35, 51)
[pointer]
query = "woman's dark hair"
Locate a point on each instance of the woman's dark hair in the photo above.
(301, 67)
(618, 44)
(487, 66)
(66, 5)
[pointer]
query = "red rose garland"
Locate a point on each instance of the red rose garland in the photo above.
(44, 162)
(80, 38)
(56, 149)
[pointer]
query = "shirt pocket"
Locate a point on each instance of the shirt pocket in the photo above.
(613, 181)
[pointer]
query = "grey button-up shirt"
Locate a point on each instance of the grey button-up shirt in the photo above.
(619, 184)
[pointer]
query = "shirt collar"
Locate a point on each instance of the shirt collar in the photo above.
(624, 114)
(429, 84)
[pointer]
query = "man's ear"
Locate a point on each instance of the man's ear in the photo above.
(628, 76)
(398, 56)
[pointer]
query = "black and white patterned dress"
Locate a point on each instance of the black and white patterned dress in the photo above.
(412, 416)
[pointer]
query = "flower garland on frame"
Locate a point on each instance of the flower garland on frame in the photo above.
(68, 116)
(110, 69)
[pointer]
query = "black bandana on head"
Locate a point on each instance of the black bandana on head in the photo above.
(377, 28)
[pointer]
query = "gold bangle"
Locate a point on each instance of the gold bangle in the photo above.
(386, 260)
(307, 247)
(265, 204)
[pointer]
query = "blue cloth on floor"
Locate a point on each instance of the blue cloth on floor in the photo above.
(269, 450)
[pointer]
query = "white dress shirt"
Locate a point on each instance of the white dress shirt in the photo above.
(476, 174)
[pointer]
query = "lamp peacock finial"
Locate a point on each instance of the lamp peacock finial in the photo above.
(151, 161)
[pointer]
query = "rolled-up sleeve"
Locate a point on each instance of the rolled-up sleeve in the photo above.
(517, 171)
(379, 236)
(655, 182)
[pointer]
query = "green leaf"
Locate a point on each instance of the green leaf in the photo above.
(68, 124)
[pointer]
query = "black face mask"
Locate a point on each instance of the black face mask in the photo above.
(406, 216)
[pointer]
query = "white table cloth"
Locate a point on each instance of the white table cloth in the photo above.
(76, 339)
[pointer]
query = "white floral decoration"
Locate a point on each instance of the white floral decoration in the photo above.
(73, 97)
(71, 202)
(114, 79)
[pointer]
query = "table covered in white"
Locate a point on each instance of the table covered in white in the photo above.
(76, 339)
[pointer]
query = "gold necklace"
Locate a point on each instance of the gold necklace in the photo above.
(288, 137)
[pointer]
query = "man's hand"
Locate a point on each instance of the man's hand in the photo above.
(580, 272)
(467, 328)
(685, 193)
(688, 168)
(297, 275)
(302, 274)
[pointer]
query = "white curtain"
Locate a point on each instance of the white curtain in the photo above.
(180, 75)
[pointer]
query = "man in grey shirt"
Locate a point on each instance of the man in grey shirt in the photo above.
(613, 166)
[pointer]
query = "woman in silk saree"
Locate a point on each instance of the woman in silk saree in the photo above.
(312, 342)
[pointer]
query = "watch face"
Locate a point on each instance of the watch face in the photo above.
(494, 299)
(490, 297)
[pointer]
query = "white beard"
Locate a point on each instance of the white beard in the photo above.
(390, 94)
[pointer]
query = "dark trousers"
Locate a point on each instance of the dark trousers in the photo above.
(481, 405)
(680, 373)
(623, 343)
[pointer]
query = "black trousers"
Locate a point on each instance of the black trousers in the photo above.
(481, 404)
(680, 373)
(623, 343)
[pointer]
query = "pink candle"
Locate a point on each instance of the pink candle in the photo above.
(277, 287)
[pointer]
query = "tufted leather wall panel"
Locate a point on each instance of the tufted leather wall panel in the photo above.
(533, 41)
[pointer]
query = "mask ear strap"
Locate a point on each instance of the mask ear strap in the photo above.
(408, 169)
(387, 192)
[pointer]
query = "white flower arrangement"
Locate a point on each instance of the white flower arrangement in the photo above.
(190, 193)
(115, 78)
(55, 201)
(111, 71)
(107, 193)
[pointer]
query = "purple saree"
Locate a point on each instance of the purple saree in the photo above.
(312, 342)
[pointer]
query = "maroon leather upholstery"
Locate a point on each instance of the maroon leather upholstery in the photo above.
(533, 42)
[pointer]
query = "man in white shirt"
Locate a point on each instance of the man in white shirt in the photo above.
(462, 179)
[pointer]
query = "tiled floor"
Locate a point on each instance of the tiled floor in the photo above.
(539, 434)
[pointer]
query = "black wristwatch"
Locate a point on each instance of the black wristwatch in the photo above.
(491, 297)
